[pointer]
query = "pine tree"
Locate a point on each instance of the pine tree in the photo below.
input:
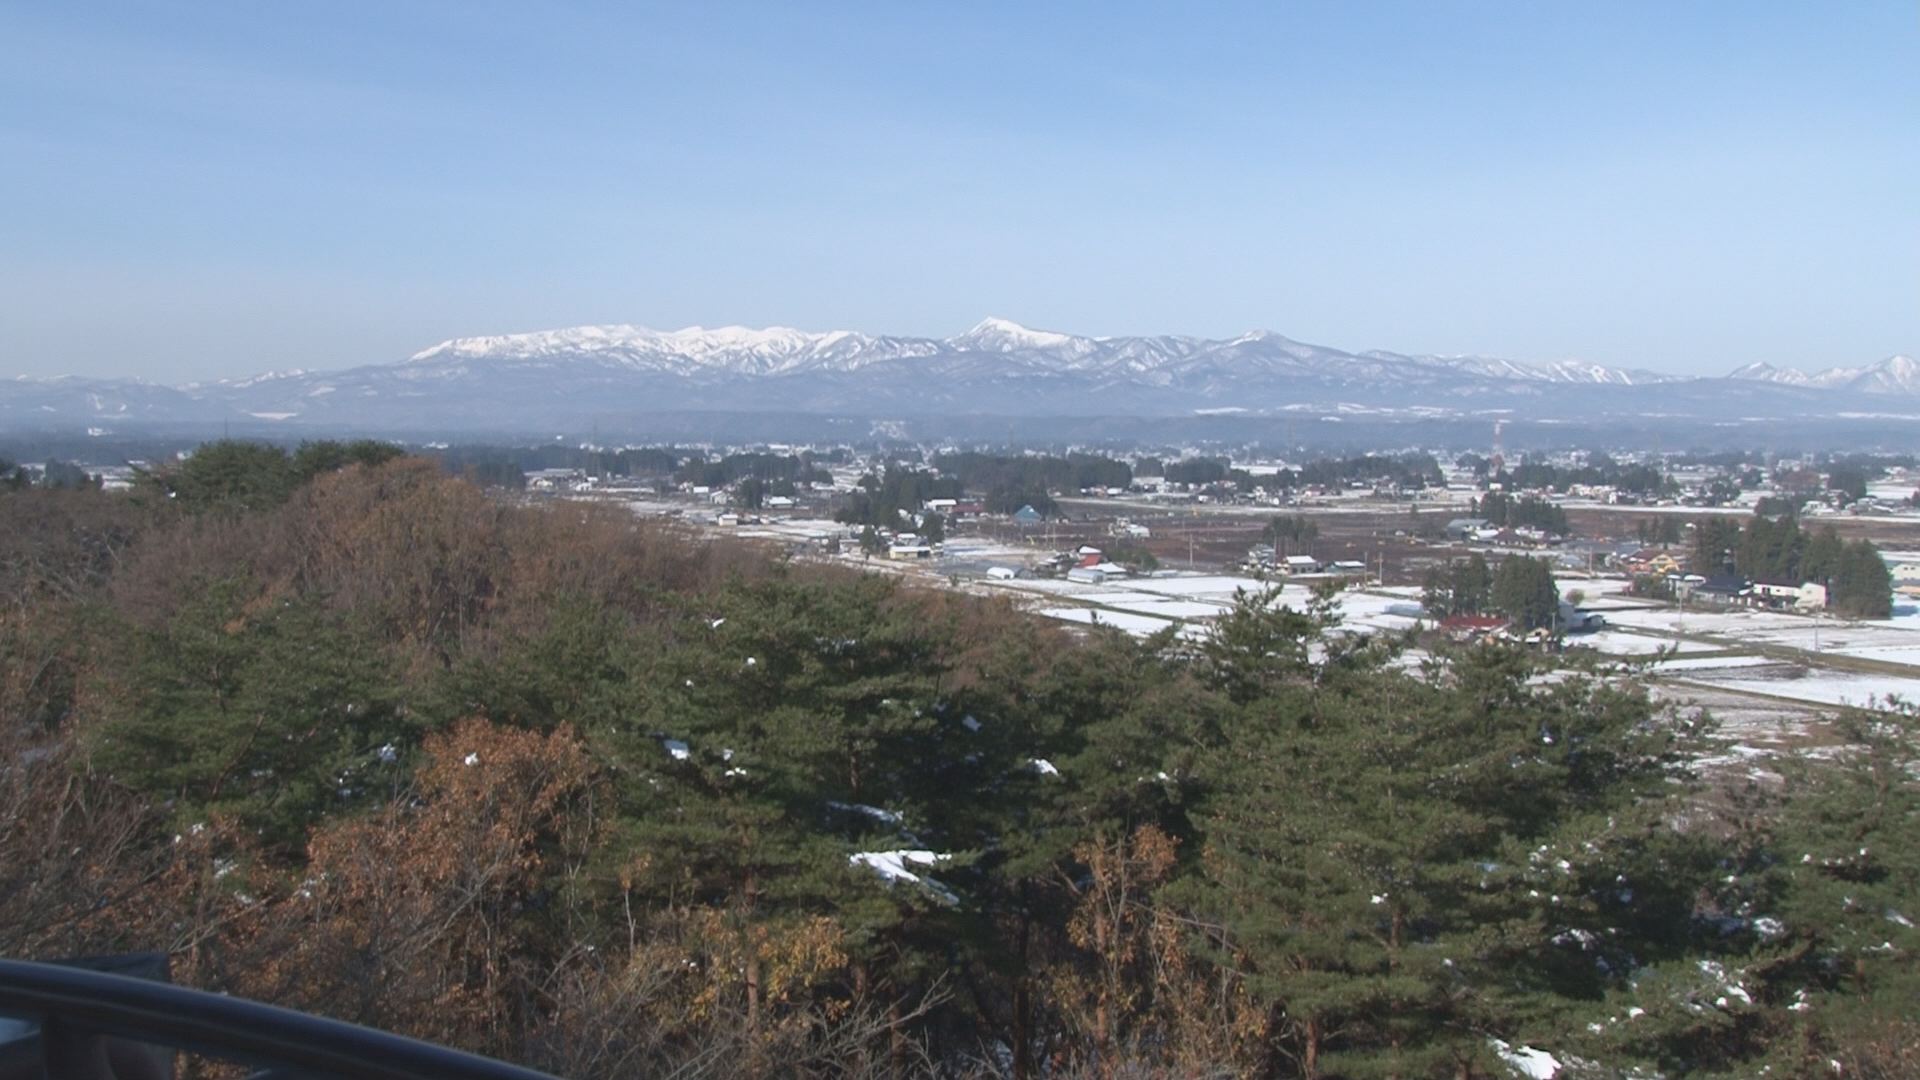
(1715, 541)
(275, 717)
(793, 729)
(1824, 554)
(1389, 863)
(1862, 586)
(1523, 590)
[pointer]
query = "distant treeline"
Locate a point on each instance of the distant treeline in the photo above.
(1600, 470)
(1412, 471)
(54, 474)
(1779, 551)
(786, 470)
(1527, 511)
(889, 499)
(986, 473)
(507, 466)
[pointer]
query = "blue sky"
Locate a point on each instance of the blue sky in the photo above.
(202, 189)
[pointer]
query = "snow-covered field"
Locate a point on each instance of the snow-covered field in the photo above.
(1791, 696)
(1138, 625)
(1615, 642)
(1891, 641)
(1168, 608)
(1815, 685)
(1716, 623)
(1709, 663)
(1146, 604)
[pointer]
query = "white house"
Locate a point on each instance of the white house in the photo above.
(1301, 564)
(1905, 570)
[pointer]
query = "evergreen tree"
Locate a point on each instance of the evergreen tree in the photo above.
(1771, 550)
(1472, 583)
(230, 475)
(1284, 533)
(1823, 556)
(273, 716)
(1523, 590)
(751, 492)
(1850, 481)
(66, 476)
(315, 458)
(1862, 587)
(1464, 587)
(792, 731)
(1716, 540)
(1389, 864)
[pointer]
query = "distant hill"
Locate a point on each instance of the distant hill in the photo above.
(598, 374)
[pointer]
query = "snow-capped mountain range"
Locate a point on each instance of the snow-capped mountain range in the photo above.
(601, 374)
(994, 343)
(1894, 375)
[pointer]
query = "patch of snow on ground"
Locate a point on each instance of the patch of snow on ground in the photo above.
(1526, 1061)
(1138, 625)
(885, 817)
(1710, 663)
(892, 867)
(1627, 643)
(1819, 686)
(1161, 607)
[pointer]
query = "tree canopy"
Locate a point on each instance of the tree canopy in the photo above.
(556, 784)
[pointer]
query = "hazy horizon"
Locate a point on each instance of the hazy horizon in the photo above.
(223, 190)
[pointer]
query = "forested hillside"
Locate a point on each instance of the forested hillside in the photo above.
(601, 796)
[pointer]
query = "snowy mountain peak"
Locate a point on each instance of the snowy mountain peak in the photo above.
(1765, 372)
(1894, 375)
(994, 334)
(746, 349)
(997, 368)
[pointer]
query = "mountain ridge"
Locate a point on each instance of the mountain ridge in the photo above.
(780, 349)
(603, 373)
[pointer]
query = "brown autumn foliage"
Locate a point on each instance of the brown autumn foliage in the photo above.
(431, 912)
(1137, 980)
(76, 854)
